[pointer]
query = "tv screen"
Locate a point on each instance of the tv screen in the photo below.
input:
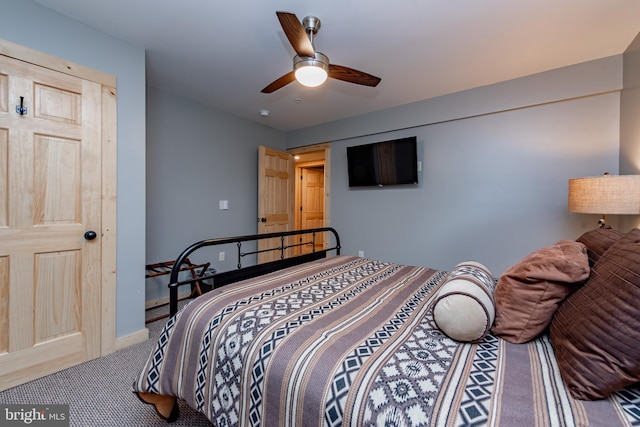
(392, 162)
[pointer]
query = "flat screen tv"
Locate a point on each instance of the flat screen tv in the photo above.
(392, 162)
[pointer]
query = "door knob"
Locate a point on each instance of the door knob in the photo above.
(90, 235)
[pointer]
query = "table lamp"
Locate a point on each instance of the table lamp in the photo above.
(605, 194)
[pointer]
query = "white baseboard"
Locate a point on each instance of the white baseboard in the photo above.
(143, 334)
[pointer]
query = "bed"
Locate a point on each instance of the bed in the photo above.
(331, 339)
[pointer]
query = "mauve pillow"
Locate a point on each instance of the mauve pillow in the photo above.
(596, 332)
(598, 241)
(529, 293)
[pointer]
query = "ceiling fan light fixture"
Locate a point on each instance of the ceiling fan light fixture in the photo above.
(311, 71)
(312, 68)
(311, 75)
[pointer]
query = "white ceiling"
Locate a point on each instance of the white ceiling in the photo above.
(223, 53)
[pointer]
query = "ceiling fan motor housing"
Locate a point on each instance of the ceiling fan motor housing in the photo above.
(320, 60)
(311, 24)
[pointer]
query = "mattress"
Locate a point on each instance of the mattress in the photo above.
(351, 341)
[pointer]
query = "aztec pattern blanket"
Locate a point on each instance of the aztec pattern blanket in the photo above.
(351, 341)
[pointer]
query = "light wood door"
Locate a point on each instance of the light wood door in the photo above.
(50, 195)
(312, 204)
(314, 210)
(275, 198)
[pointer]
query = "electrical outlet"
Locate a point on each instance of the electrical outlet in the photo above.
(221, 256)
(361, 254)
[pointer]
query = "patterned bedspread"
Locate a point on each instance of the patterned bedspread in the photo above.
(351, 341)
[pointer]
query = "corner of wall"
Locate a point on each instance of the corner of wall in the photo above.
(630, 110)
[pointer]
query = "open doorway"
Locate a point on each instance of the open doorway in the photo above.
(312, 191)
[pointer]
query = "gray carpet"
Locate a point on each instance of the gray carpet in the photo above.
(99, 392)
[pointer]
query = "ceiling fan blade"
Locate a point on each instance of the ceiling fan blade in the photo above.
(280, 82)
(352, 76)
(296, 34)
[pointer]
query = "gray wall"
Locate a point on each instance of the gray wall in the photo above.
(629, 123)
(36, 27)
(197, 156)
(496, 161)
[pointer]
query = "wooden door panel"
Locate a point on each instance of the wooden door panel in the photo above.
(4, 182)
(20, 192)
(50, 165)
(4, 93)
(57, 181)
(58, 104)
(57, 288)
(4, 304)
(20, 302)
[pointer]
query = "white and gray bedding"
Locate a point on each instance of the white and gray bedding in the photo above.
(352, 341)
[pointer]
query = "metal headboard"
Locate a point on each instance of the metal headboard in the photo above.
(224, 278)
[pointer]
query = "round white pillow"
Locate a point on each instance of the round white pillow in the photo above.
(464, 306)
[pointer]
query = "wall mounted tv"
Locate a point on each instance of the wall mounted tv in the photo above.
(392, 162)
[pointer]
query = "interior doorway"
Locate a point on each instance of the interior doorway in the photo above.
(312, 192)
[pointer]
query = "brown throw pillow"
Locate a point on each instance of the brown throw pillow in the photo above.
(596, 332)
(598, 241)
(529, 293)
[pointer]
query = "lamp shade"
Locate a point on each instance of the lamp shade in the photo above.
(606, 194)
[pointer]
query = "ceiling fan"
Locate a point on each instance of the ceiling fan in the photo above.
(311, 68)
